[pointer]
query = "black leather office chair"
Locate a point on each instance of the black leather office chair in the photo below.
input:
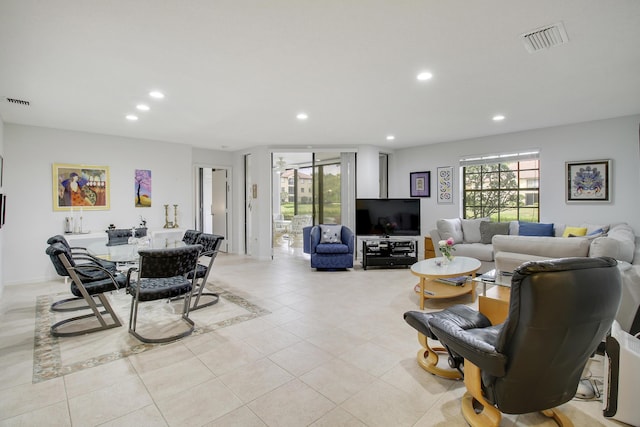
(162, 274)
(87, 280)
(559, 311)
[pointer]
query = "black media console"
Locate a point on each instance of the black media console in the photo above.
(389, 252)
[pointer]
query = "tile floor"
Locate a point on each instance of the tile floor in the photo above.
(333, 351)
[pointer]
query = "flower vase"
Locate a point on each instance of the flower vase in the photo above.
(445, 260)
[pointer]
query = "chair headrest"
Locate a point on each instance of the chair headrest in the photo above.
(57, 239)
(54, 251)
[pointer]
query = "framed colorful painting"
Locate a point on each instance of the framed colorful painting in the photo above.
(142, 188)
(588, 181)
(80, 187)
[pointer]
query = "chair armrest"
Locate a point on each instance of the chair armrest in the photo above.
(348, 238)
(314, 237)
(80, 267)
(476, 345)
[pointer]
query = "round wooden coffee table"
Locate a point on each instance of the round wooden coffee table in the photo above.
(428, 270)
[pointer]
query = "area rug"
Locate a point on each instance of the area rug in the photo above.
(54, 357)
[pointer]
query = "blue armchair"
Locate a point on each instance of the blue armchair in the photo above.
(327, 251)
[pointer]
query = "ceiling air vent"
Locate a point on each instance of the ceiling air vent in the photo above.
(545, 37)
(17, 101)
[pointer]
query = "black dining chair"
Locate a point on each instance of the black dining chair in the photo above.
(82, 254)
(88, 280)
(210, 245)
(162, 274)
(191, 237)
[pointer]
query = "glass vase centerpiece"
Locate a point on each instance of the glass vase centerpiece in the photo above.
(446, 248)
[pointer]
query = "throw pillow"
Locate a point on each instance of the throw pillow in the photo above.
(330, 233)
(450, 228)
(471, 229)
(574, 231)
(596, 229)
(490, 229)
(535, 229)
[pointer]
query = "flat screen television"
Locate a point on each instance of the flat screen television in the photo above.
(388, 217)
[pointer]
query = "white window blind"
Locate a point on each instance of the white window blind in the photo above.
(500, 158)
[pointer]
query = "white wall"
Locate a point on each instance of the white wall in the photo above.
(4, 228)
(615, 139)
(368, 172)
(29, 155)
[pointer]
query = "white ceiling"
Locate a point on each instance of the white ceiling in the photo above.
(236, 72)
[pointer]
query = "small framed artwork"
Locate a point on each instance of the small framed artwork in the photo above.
(142, 187)
(445, 184)
(80, 186)
(420, 184)
(4, 208)
(588, 181)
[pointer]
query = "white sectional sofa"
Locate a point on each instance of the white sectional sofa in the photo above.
(469, 239)
(508, 250)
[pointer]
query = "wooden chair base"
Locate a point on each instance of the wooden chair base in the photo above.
(480, 413)
(428, 360)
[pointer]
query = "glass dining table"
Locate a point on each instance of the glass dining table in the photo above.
(126, 255)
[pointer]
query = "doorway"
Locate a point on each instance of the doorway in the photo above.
(314, 185)
(213, 188)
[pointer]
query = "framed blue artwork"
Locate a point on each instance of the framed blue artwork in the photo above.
(588, 181)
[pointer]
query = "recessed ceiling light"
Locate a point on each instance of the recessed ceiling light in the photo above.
(132, 117)
(142, 107)
(390, 137)
(302, 116)
(498, 117)
(156, 94)
(425, 75)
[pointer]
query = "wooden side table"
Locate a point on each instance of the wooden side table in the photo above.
(429, 250)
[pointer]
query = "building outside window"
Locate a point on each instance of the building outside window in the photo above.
(503, 187)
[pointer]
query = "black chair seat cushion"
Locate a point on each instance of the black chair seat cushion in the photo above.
(332, 248)
(201, 271)
(100, 286)
(461, 315)
(160, 288)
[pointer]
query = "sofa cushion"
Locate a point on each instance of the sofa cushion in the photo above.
(490, 229)
(547, 247)
(330, 233)
(478, 251)
(593, 229)
(471, 229)
(450, 228)
(619, 244)
(574, 231)
(535, 229)
(332, 248)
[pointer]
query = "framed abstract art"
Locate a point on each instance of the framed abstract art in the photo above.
(445, 185)
(588, 181)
